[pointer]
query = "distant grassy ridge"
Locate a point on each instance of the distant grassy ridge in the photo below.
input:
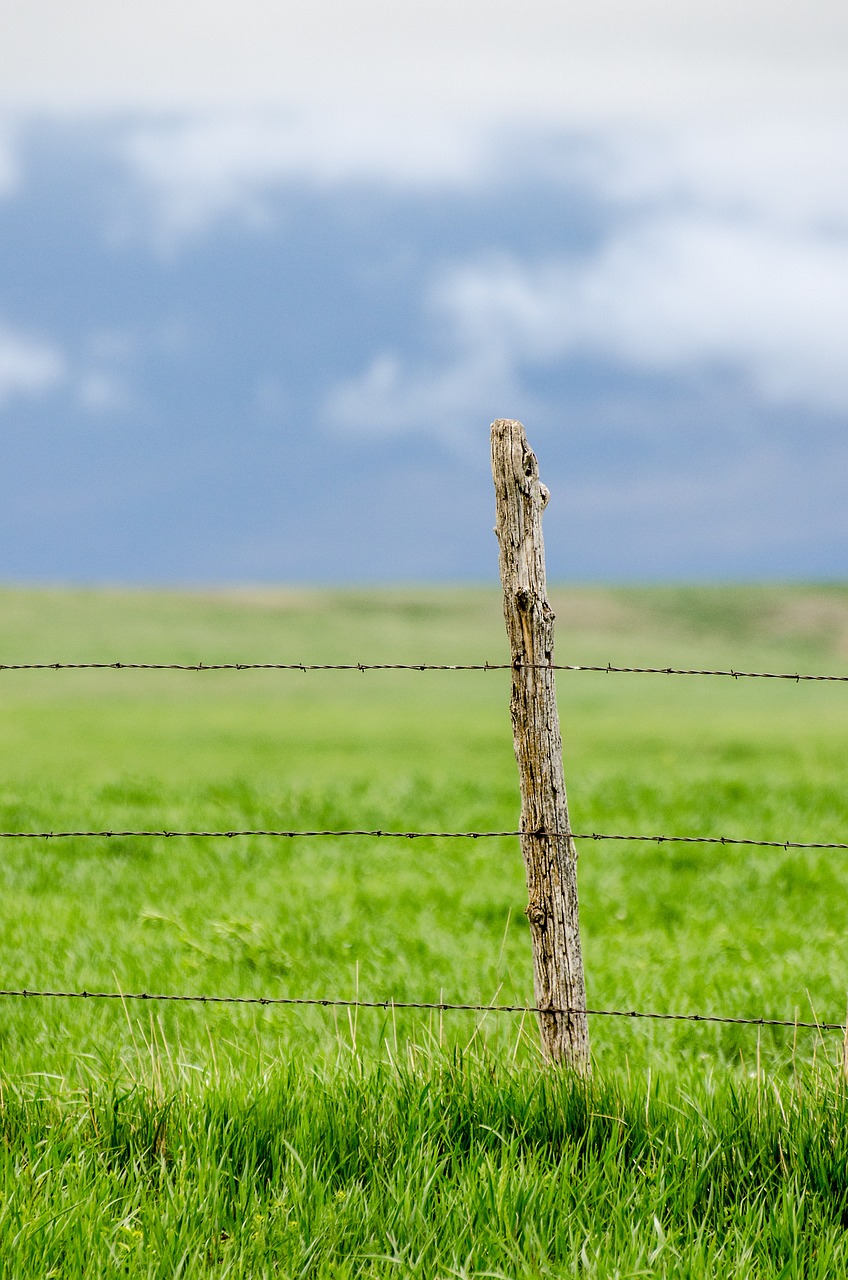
(405, 623)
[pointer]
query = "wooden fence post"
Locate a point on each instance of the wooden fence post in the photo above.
(550, 858)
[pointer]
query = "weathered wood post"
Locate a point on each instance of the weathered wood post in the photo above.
(550, 858)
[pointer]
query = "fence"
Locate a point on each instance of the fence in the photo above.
(556, 834)
(379, 833)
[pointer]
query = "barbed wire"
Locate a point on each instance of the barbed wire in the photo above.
(378, 833)
(441, 1006)
(390, 1004)
(607, 669)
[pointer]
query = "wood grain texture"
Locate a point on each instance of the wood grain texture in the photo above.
(550, 860)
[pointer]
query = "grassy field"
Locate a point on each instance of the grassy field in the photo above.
(254, 1141)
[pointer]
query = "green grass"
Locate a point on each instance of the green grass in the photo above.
(255, 1141)
(462, 1168)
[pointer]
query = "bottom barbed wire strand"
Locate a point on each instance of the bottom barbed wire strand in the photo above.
(440, 1005)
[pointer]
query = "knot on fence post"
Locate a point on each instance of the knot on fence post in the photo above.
(536, 914)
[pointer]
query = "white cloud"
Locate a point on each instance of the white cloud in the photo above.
(206, 166)
(445, 402)
(723, 250)
(786, 172)
(32, 367)
(677, 295)
(28, 366)
(198, 168)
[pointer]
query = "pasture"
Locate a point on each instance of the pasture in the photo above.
(156, 1140)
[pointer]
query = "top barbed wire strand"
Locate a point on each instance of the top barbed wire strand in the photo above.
(607, 669)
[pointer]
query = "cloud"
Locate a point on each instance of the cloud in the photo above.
(678, 295)
(34, 367)
(198, 167)
(207, 166)
(789, 173)
(28, 366)
(718, 252)
(445, 402)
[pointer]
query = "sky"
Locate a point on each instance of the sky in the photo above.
(268, 271)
